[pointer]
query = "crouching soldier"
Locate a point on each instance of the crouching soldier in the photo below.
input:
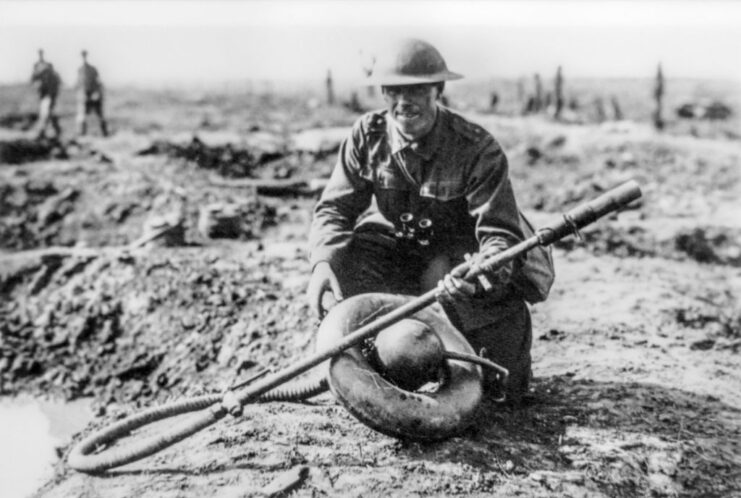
(417, 188)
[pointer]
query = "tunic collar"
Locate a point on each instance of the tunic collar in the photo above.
(424, 146)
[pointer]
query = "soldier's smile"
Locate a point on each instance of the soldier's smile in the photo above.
(406, 114)
(413, 108)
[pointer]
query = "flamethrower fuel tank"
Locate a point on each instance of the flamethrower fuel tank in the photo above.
(431, 415)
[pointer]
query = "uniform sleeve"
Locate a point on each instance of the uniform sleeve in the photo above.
(345, 197)
(35, 73)
(491, 199)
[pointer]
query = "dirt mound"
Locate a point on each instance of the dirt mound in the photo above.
(714, 245)
(574, 438)
(126, 326)
(105, 203)
(227, 160)
(18, 120)
(711, 245)
(25, 150)
(635, 352)
(33, 212)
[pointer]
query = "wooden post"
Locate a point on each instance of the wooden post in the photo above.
(558, 90)
(368, 70)
(599, 109)
(617, 113)
(538, 103)
(658, 99)
(330, 88)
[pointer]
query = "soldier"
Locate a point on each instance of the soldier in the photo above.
(416, 188)
(89, 96)
(47, 82)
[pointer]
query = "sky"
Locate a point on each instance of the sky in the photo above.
(198, 42)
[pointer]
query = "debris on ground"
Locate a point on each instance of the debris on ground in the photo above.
(635, 389)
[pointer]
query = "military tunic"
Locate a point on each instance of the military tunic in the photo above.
(456, 176)
(48, 83)
(89, 98)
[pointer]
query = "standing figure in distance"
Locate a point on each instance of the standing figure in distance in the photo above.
(416, 189)
(89, 97)
(47, 82)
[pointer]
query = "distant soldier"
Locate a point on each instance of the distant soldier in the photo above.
(39, 67)
(47, 83)
(89, 96)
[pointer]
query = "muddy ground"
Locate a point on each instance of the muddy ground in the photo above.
(636, 352)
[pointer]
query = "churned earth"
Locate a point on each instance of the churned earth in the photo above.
(636, 352)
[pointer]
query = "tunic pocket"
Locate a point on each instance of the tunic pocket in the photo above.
(443, 190)
(392, 193)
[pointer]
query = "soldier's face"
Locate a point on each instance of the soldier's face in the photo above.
(413, 108)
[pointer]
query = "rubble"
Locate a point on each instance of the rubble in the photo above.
(639, 337)
(221, 221)
(710, 110)
(130, 326)
(227, 160)
(18, 120)
(24, 150)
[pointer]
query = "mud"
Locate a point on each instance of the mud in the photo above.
(636, 352)
(227, 160)
(19, 151)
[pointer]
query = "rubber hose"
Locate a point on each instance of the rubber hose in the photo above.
(296, 391)
(81, 459)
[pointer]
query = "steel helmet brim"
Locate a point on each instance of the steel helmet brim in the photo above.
(392, 79)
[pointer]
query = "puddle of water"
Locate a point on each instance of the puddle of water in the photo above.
(30, 430)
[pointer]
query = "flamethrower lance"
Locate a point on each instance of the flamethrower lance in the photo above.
(85, 459)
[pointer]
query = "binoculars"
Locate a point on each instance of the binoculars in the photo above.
(420, 232)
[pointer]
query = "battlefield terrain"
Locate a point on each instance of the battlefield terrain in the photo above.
(170, 260)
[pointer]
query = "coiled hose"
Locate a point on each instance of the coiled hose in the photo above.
(83, 459)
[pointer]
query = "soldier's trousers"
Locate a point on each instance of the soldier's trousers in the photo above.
(47, 117)
(87, 106)
(374, 262)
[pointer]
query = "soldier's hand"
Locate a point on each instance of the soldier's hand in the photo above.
(451, 289)
(492, 283)
(501, 276)
(323, 281)
(493, 279)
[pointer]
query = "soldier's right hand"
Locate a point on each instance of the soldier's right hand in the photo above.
(451, 289)
(323, 280)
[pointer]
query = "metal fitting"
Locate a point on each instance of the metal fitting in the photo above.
(407, 226)
(424, 231)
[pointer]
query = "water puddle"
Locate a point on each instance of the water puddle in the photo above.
(30, 431)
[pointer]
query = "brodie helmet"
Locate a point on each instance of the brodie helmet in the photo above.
(411, 61)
